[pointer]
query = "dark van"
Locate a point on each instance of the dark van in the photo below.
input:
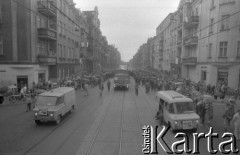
(121, 81)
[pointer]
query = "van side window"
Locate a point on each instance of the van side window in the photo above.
(161, 101)
(171, 109)
(165, 104)
(60, 100)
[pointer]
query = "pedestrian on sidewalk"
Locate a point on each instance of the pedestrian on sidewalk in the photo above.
(29, 102)
(136, 89)
(236, 122)
(159, 115)
(101, 88)
(201, 110)
(86, 88)
(109, 84)
(228, 116)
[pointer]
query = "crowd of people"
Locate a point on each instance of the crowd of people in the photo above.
(202, 95)
(22, 93)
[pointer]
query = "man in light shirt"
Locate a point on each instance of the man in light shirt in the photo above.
(236, 121)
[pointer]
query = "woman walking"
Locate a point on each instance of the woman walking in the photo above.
(236, 122)
(136, 89)
(101, 88)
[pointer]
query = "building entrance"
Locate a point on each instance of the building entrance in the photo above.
(21, 81)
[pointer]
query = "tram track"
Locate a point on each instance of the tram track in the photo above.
(100, 125)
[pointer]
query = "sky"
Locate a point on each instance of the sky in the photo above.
(128, 24)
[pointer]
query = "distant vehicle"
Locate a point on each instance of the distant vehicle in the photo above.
(53, 105)
(178, 110)
(121, 71)
(121, 81)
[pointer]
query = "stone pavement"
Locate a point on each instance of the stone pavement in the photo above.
(118, 129)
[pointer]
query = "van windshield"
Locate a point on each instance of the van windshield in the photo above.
(121, 76)
(46, 100)
(184, 107)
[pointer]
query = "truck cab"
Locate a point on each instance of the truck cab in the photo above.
(121, 81)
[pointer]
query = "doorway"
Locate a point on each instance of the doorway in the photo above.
(21, 81)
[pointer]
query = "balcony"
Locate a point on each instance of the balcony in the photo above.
(189, 61)
(47, 8)
(45, 60)
(190, 41)
(46, 33)
(191, 22)
(179, 42)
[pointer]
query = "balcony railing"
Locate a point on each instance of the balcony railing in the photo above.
(192, 21)
(50, 24)
(45, 60)
(46, 33)
(189, 61)
(191, 41)
(179, 42)
(47, 8)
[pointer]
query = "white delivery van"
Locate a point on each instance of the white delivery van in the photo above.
(54, 104)
(178, 110)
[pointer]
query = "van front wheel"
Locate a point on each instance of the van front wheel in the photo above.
(171, 128)
(37, 122)
(72, 109)
(58, 120)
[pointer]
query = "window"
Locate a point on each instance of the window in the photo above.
(59, 27)
(212, 3)
(63, 52)
(238, 49)
(59, 49)
(224, 22)
(38, 22)
(204, 76)
(211, 25)
(223, 49)
(222, 75)
(63, 29)
(239, 80)
(42, 48)
(226, 1)
(171, 109)
(60, 74)
(1, 46)
(196, 13)
(68, 56)
(210, 50)
(64, 7)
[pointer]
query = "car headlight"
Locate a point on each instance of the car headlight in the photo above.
(35, 113)
(197, 121)
(51, 114)
(175, 122)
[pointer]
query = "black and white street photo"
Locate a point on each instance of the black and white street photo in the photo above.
(119, 77)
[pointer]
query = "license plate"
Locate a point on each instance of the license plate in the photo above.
(187, 125)
(42, 113)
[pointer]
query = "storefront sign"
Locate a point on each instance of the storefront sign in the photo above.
(191, 60)
(47, 60)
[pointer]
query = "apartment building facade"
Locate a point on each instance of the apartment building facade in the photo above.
(46, 40)
(19, 63)
(200, 42)
(211, 34)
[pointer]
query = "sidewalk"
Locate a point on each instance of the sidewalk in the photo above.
(7, 103)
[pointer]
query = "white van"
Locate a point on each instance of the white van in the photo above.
(178, 110)
(54, 104)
